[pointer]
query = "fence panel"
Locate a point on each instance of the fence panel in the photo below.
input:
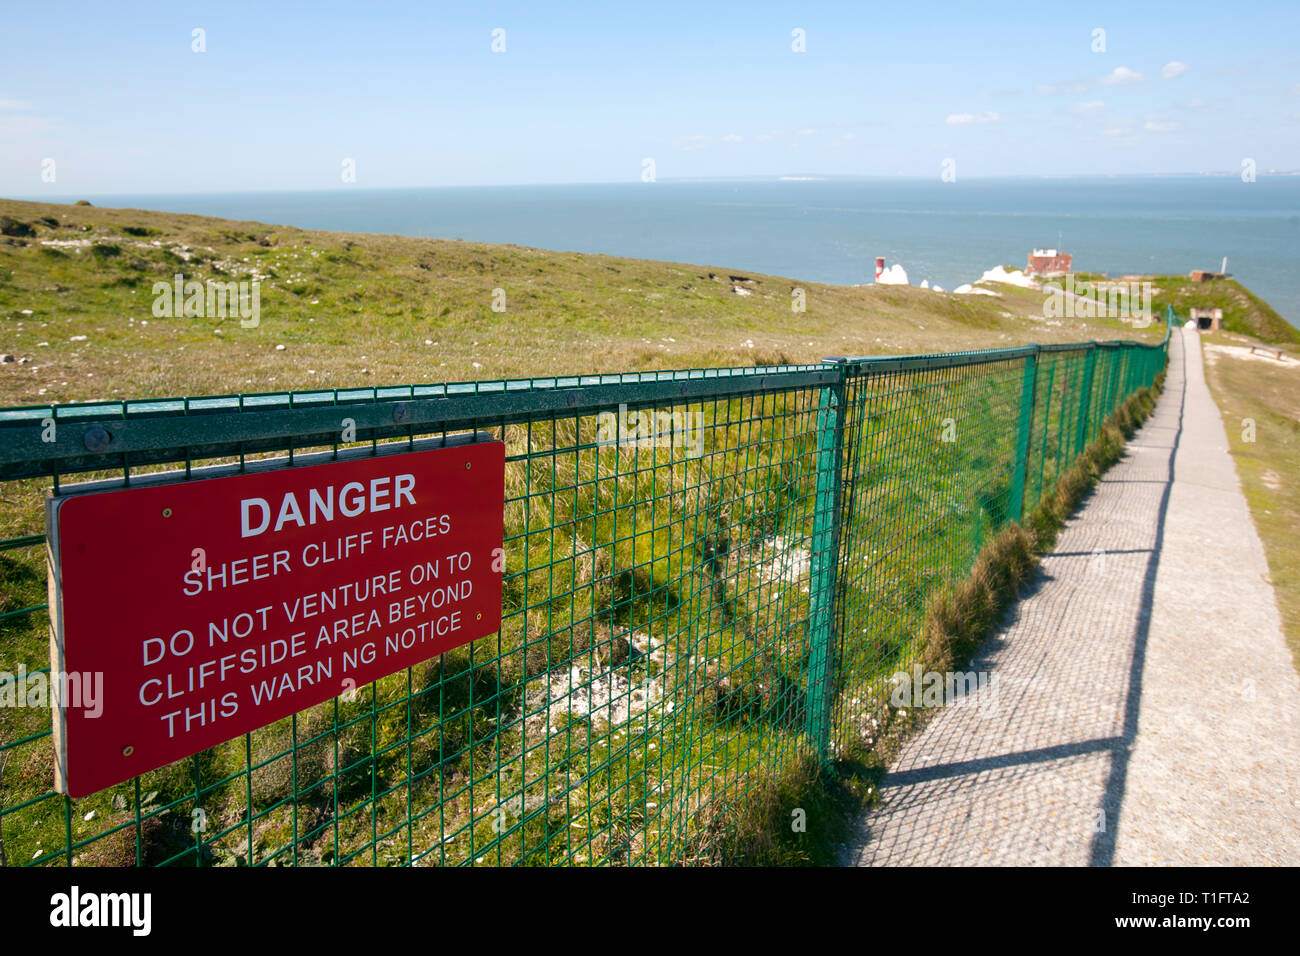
(691, 604)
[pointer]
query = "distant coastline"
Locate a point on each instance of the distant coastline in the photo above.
(830, 229)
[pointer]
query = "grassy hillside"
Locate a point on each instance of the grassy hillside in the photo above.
(1243, 311)
(420, 310)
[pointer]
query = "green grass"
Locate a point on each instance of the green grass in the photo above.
(1266, 395)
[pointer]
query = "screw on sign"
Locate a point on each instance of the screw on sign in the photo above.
(315, 579)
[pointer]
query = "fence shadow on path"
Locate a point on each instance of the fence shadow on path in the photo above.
(1031, 769)
(1103, 844)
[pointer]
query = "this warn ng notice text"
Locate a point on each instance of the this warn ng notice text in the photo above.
(217, 606)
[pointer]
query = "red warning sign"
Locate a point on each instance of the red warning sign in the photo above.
(205, 609)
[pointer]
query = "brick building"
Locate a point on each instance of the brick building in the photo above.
(1048, 262)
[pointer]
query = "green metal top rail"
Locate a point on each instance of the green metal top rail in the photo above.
(113, 434)
(891, 363)
(261, 401)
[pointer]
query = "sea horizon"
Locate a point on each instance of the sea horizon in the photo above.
(829, 228)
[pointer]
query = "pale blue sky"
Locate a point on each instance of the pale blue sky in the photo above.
(584, 92)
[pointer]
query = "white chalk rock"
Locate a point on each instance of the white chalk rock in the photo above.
(893, 275)
(1015, 277)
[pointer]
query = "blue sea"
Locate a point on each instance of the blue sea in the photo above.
(832, 230)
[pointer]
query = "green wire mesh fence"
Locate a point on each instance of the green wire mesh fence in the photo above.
(683, 617)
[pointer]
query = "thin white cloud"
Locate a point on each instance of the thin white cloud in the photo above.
(15, 128)
(1121, 75)
(1089, 108)
(1114, 131)
(1153, 125)
(732, 138)
(807, 132)
(968, 119)
(1053, 89)
(1196, 103)
(1173, 70)
(14, 105)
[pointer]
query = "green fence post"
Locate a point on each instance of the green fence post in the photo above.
(1107, 383)
(1028, 387)
(825, 559)
(1107, 359)
(1112, 385)
(1047, 424)
(1117, 367)
(1085, 398)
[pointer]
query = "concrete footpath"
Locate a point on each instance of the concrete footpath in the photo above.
(1144, 709)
